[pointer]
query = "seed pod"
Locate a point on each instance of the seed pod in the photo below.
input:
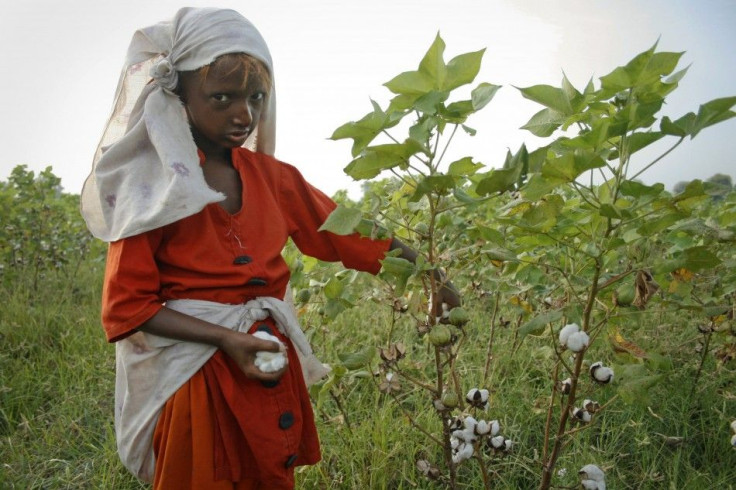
(450, 399)
(303, 295)
(440, 336)
(458, 316)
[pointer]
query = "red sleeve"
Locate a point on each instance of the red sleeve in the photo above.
(130, 292)
(306, 208)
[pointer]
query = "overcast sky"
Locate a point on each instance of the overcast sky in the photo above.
(61, 61)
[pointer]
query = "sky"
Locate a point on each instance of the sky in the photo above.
(61, 61)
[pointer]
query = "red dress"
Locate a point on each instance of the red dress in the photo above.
(220, 426)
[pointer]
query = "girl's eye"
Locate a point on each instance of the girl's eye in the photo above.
(221, 97)
(258, 96)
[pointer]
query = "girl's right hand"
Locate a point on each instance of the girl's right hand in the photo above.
(242, 348)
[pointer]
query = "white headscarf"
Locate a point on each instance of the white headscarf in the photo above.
(146, 171)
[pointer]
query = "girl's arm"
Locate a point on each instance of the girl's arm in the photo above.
(241, 347)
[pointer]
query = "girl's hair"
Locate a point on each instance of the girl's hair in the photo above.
(250, 66)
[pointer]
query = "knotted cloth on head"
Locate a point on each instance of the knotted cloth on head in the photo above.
(146, 171)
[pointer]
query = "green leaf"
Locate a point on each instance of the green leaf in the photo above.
(410, 83)
(433, 64)
(462, 69)
(342, 220)
(375, 159)
(334, 288)
(537, 325)
(498, 180)
(652, 226)
(699, 258)
(357, 360)
(572, 164)
(713, 112)
(553, 98)
(438, 184)
(637, 189)
(398, 269)
(609, 211)
(482, 95)
(544, 123)
(365, 130)
(429, 103)
(464, 167)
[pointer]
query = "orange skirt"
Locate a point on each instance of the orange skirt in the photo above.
(222, 430)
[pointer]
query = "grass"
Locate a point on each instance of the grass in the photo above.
(57, 383)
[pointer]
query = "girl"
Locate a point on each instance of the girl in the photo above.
(196, 224)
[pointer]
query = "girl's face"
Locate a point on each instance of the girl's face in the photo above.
(223, 104)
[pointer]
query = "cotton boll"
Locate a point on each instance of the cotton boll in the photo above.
(733, 426)
(592, 472)
(566, 331)
(733, 441)
(600, 373)
(582, 415)
(497, 442)
(495, 427)
(270, 362)
(577, 341)
(483, 428)
(464, 451)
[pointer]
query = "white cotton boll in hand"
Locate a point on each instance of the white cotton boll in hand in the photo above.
(566, 331)
(578, 341)
(270, 362)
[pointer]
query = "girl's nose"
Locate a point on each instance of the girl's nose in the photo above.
(243, 115)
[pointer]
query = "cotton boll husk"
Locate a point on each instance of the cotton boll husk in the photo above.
(578, 341)
(566, 331)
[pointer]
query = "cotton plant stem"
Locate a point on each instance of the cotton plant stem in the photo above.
(549, 463)
(489, 349)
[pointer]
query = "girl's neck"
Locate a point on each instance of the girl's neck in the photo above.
(212, 151)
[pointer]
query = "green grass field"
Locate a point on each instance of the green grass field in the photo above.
(56, 395)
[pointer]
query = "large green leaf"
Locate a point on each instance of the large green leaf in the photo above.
(438, 184)
(375, 159)
(572, 164)
(551, 97)
(497, 180)
(482, 95)
(433, 64)
(462, 69)
(366, 129)
(713, 112)
(464, 167)
(342, 220)
(536, 325)
(544, 123)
